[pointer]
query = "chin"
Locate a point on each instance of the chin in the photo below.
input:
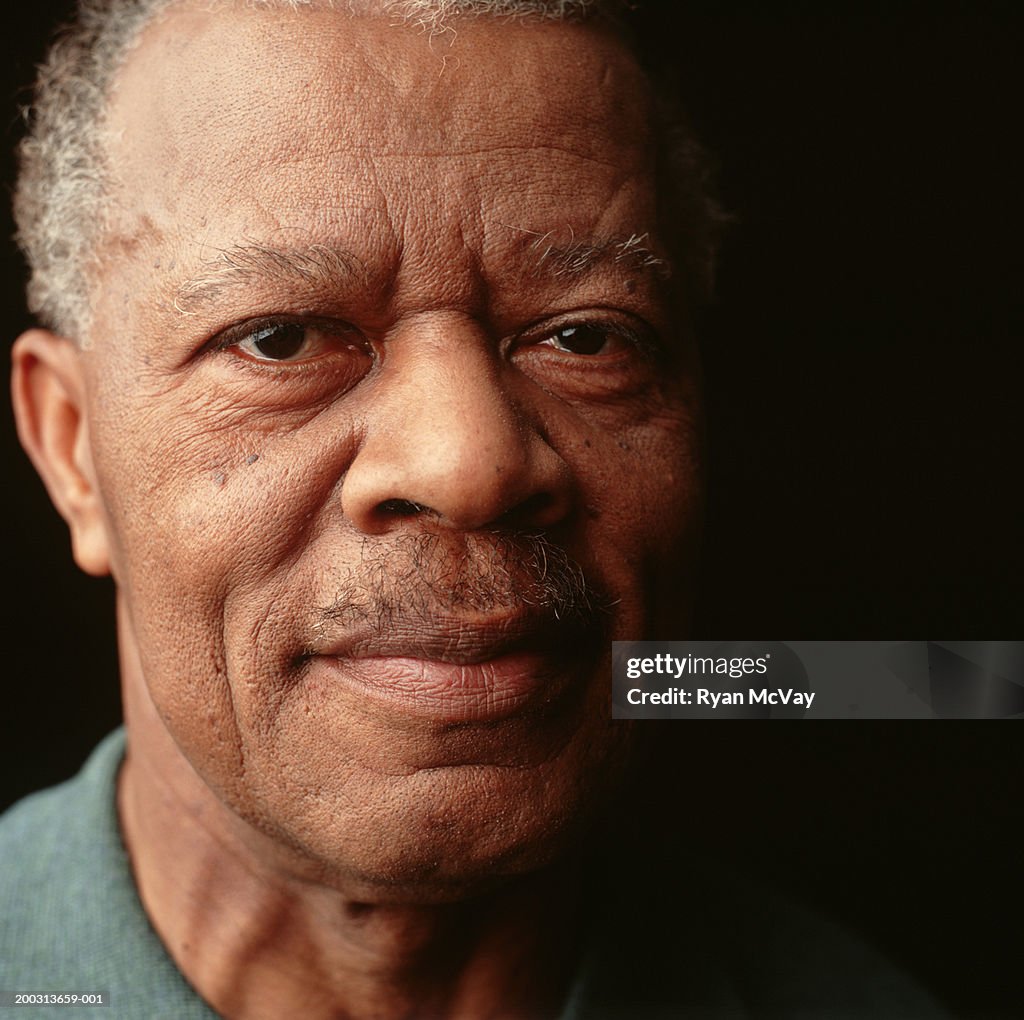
(440, 839)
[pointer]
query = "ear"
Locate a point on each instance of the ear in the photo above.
(48, 391)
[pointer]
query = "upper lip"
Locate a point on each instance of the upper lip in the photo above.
(459, 640)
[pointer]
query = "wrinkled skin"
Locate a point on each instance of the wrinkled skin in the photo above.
(436, 190)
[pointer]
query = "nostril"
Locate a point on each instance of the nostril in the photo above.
(401, 507)
(529, 513)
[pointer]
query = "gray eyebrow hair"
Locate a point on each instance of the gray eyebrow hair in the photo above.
(315, 263)
(578, 257)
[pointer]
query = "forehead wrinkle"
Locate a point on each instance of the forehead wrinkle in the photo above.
(240, 264)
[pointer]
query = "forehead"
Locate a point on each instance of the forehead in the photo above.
(294, 127)
(193, 59)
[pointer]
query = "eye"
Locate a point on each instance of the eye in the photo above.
(590, 354)
(590, 339)
(292, 340)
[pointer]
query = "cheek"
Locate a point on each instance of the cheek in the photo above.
(207, 523)
(664, 501)
(213, 496)
(640, 479)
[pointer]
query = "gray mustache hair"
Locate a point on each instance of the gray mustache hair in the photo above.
(425, 576)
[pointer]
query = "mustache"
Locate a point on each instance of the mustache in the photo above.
(427, 577)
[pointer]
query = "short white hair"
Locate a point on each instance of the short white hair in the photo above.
(61, 200)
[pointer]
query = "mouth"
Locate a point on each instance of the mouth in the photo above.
(460, 670)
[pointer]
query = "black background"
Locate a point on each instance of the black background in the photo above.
(863, 364)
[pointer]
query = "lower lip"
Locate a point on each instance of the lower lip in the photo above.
(446, 692)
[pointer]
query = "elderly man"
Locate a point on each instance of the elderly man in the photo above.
(367, 375)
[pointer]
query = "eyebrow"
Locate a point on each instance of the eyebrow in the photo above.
(329, 265)
(579, 257)
(315, 263)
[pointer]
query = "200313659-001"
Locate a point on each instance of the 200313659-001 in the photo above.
(365, 368)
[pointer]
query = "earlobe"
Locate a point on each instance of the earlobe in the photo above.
(48, 392)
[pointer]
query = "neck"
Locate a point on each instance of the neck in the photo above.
(257, 938)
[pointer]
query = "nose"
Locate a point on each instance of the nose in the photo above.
(446, 440)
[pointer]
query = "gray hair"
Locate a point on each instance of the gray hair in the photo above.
(62, 204)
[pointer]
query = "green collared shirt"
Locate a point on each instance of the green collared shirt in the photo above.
(71, 921)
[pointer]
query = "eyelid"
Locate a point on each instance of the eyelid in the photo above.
(641, 334)
(233, 335)
(233, 338)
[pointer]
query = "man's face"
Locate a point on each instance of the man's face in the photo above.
(380, 306)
